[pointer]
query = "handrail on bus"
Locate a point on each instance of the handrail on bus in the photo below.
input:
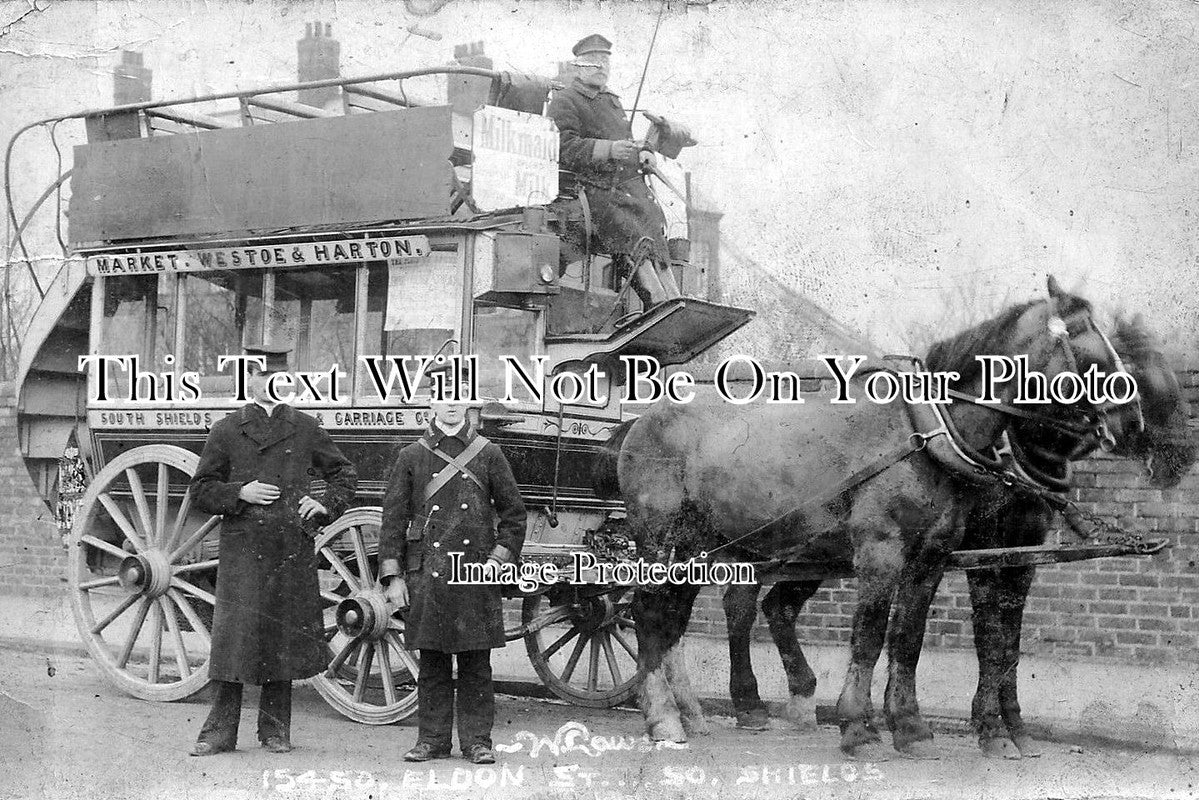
(243, 96)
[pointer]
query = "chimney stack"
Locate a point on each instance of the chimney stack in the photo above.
(318, 59)
(131, 80)
(467, 92)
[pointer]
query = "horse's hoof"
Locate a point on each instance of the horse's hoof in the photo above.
(669, 730)
(696, 726)
(999, 747)
(1027, 747)
(922, 750)
(872, 752)
(801, 712)
(755, 719)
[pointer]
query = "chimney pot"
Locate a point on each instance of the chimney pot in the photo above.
(329, 29)
(308, 30)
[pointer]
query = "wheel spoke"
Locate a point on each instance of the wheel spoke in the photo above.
(389, 688)
(405, 656)
(136, 628)
(180, 520)
(341, 657)
(191, 589)
(610, 654)
(143, 507)
(160, 518)
(118, 516)
(365, 658)
(190, 614)
(98, 582)
(557, 645)
(116, 612)
(340, 567)
(185, 669)
(100, 544)
(194, 539)
(199, 565)
(574, 659)
(330, 597)
(155, 642)
(364, 565)
(593, 665)
(619, 637)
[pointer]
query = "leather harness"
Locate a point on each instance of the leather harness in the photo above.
(454, 466)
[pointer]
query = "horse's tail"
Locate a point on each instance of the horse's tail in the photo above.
(604, 477)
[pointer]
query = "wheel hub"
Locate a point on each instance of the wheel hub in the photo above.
(363, 615)
(146, 573)
(594, 612)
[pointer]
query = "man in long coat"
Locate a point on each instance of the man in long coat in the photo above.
(596, 145)
(256, 470)
(444, 495)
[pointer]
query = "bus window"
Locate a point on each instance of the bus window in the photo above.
(504, 332)
(312, 311)
(223, 313)
(412, 309)
(138, 320)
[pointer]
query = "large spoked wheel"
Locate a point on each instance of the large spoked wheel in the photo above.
(142, 570)
(371, 676)
(583, 646)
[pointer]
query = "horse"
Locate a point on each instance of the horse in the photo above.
(704, 476)
(998, 596)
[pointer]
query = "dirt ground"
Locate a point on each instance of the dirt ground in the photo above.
(64, 732)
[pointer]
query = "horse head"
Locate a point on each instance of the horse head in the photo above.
(1059, 337)
(1164, 444)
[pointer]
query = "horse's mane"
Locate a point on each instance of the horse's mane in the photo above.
(991, 337)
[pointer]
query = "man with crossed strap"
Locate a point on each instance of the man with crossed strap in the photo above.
(445, 494)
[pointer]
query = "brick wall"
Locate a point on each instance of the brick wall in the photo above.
(32, 559)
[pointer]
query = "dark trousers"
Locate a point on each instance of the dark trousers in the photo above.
(435, 690)
(274, 713)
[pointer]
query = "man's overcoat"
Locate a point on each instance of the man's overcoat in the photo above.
(461, 516)
(268, 624)
(622, 209)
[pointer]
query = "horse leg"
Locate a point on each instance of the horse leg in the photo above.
(782, 606)
(1013, 597)
(691, 713)
(991, 647)
(661, 617)
(740, 611)
(878, 561)
(905, 640)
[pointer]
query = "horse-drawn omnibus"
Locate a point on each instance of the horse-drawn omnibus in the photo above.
(394, 228)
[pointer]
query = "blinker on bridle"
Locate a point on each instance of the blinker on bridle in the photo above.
(1063, 329)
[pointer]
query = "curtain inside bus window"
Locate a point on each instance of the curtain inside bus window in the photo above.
(312, 312)
(412, 309)
(223, 315)
(503, 332)
(138, 320)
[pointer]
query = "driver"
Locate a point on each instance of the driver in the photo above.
(596, 146)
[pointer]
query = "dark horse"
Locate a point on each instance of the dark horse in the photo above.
(825, 482)
(1005, 518)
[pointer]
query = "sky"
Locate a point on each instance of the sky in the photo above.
(910, 166)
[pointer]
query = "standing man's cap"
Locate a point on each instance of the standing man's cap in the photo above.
(592, 44)
(275, 356)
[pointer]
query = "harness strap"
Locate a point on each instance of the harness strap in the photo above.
(1013, 411)
(912, 445)
(453, 466)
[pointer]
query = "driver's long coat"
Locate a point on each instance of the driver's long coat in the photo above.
(268, 623)
(622, 210)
